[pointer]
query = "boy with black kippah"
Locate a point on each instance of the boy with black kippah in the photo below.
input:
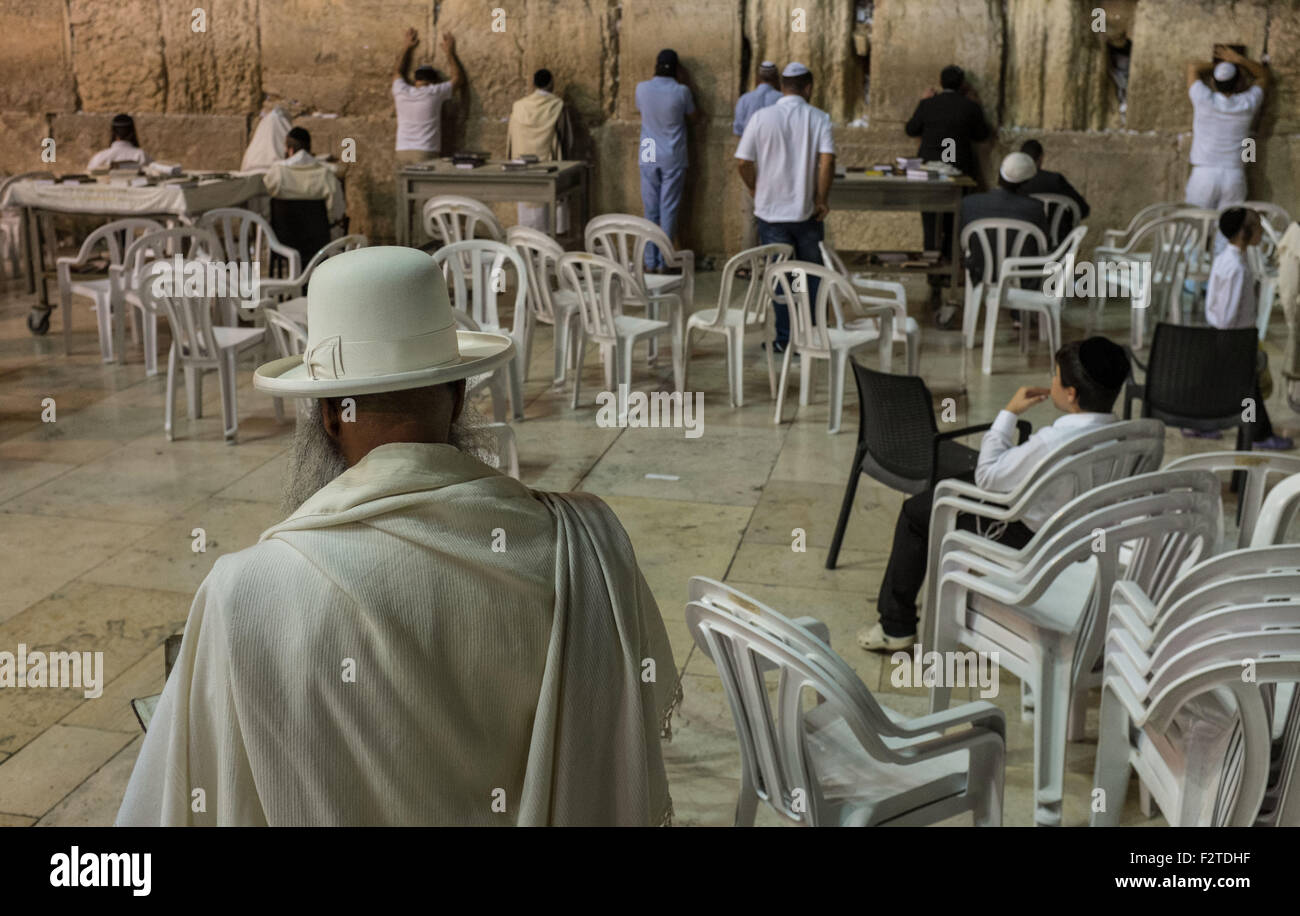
(1088, 378)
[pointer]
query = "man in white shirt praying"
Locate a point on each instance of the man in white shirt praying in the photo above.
(424, 640)
(419, 103)
(787, 161)
(766, 92)
(1086, 381)
(1221, 122)
(301, 176)
(123, 147)
(1230, 303)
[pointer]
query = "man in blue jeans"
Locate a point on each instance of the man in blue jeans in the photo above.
(664, 103)
(787, 160)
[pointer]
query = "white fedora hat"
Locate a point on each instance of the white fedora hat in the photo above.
(378, 319)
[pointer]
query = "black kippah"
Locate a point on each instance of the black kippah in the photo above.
(1105, 362)
(1231, 221)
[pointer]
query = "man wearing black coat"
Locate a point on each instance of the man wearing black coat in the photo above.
(1045, 182)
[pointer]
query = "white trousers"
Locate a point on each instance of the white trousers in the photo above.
(1215, 188)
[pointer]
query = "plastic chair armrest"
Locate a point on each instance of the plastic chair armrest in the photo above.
(980, 713)
(963, 740)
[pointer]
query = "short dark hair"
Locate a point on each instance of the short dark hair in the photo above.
(952, 77)
(299, 139)
(426, 73)
(1225, 86)
(1012, 186)
(542, 78)
(1232, 220)
(1033, 149)
(1096, 369)
(796, 83)
(122, 128)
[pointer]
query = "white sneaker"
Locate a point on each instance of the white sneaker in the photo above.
(873, 639)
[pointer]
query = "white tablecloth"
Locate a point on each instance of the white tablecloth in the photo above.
(102, 197)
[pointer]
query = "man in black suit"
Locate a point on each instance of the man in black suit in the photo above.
(1045, 182)
(1006, 201)
(949, 123)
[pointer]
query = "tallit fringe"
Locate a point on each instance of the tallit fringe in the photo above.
(666, 723)
(666, 819)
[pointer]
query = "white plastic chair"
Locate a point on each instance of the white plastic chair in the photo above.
(13, 226)
(601, 285)
(846, 760)
(247, 237)
(998, 239)
(289, 294)
(548, 301)
(1280, 509)
(1263, 258)
(476, 271)
(871, 292)
(1007, 293)
(623, 238)
(1044, 608)
(1162, 250)
(1257, 467)
(114, 239)
(818, 339)
(290, 339)
(734, 322)
(126, 280)
(1119, 238)
(1056, 207)
(199, 346)
(450, 218)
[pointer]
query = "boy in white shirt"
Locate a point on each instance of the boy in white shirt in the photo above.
(123, 148)
(419, 104)
(1230, 304)
(1087, 380)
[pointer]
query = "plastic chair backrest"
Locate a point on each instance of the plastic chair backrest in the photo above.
(245, 236)
(998, 240)
(541, 255)
(1179, 382)
(189, 317)
(1056, 206)
(790, 280)
(757, 293)
(1258, 466)
(338, 246)
(289, 336)
(117, 237)
(451, 218)
(1279, 511)
(1092, 459)
(475, 270)
(896, 421)
(1148, 214)
(600, 285)
(190, 242)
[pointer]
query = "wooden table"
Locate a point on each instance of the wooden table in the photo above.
(856, 191)
(544, 183)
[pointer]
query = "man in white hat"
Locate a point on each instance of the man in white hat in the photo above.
(765, 92)
(1221, 122)
(1006, 201)
(423, 640)
(787, 161)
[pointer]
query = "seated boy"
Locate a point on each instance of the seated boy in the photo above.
(1230, 303)
(1087, 379)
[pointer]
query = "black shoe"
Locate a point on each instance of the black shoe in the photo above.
(777, 346)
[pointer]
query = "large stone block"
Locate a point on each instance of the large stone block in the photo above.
(493, 60)
(339, 57)
(819, 34)
(704, 33)
(1282, 111)
(575, 40)
(34, 70)
(1169, 33)
(117, 55)
(23, 134)
(213, 61)
(911, 42)
(1056, 74)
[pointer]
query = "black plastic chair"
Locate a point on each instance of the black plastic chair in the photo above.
(301, 224)
(899, 443)
(1197, 378)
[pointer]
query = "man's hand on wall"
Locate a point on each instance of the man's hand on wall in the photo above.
(449, 42)
(412, 38)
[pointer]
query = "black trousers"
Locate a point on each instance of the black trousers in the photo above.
(905, 573)
(937, 229)
(1263, 426)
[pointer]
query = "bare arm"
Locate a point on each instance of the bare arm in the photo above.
(1197, 71)
(825, 174)
(748, 174)
(453, 63)
(404, 59)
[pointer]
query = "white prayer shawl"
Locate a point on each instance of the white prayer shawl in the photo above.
(267, 145)
(1288, 291)
(481, 678)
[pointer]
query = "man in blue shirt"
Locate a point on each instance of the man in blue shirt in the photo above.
(765, 93)
(664, 104)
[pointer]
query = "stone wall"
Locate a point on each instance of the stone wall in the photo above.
(1039, 66)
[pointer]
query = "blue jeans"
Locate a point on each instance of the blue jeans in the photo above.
(661, 195)
(805, 237)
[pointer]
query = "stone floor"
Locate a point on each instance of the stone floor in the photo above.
(97, 511)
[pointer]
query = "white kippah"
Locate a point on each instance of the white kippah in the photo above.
(767, 65)
(794, 68)
(1017, 168)
(1224, 71)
